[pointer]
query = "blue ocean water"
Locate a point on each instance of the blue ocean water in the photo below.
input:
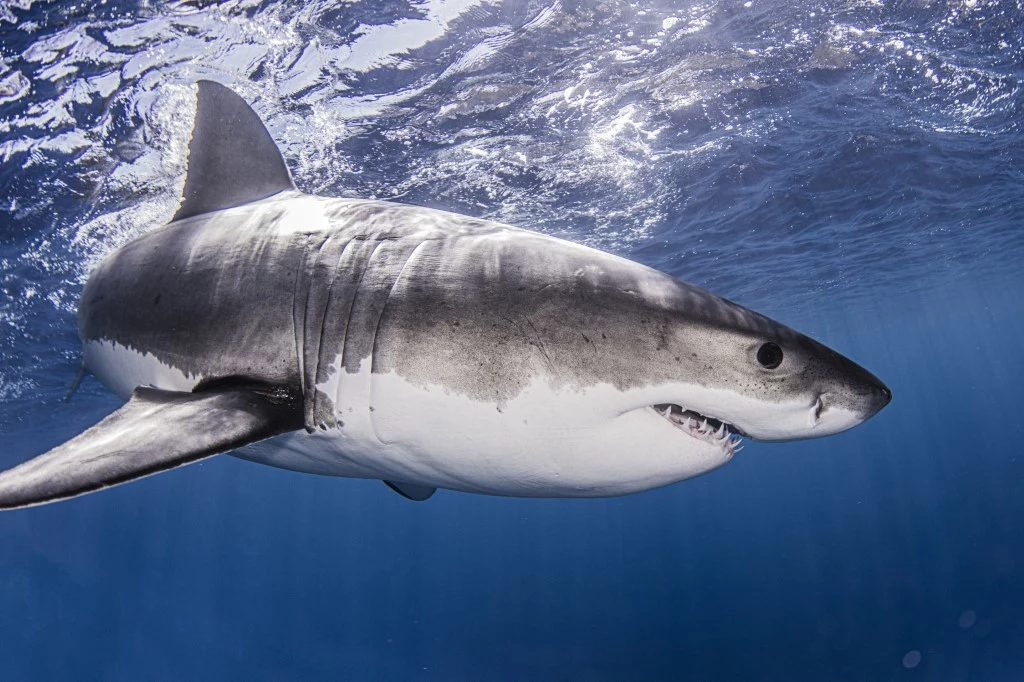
(852, 168)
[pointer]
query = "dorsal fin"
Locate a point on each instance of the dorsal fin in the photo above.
(232, 159)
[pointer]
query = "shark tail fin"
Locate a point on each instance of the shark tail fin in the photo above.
(232, 159)
(153, 432)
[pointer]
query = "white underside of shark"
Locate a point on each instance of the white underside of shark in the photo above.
(385, 418)
(395, 430)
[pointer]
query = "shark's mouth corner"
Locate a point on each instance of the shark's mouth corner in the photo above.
(702, 427)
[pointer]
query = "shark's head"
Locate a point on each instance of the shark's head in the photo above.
(724, 372)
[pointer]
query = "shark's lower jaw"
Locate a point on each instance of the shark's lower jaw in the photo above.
(701, 427)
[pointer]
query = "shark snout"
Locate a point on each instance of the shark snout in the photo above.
(883, 398)
(837, 410)
(871, 394)
(878, 396)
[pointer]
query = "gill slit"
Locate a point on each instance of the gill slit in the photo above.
(355, 300)
(310, 263)
(376, 329)
(299, 313)
(323, 325)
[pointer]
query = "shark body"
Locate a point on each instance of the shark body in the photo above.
(427, 349)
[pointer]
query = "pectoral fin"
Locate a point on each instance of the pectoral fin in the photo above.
(153, 432)
(416, 493)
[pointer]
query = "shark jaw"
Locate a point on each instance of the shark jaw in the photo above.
(702, 428)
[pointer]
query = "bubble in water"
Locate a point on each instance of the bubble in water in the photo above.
(967, 619)
(912, 659)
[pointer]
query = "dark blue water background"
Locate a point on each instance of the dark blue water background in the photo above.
(853, 168)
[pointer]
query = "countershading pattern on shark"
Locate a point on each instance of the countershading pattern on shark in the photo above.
(423, 348)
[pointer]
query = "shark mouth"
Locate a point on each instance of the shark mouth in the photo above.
(701, 427)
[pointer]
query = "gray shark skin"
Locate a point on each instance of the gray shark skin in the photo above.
(424, 348)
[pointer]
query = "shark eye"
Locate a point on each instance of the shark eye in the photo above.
(769, 355)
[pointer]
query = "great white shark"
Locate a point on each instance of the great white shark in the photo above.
(423, 348)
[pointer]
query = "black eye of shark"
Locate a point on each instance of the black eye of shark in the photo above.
(769, 355)
(702, 427)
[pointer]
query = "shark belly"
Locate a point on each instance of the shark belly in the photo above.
(387, 427)
(530, 446)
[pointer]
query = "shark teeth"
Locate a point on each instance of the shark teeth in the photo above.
(703, 428)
